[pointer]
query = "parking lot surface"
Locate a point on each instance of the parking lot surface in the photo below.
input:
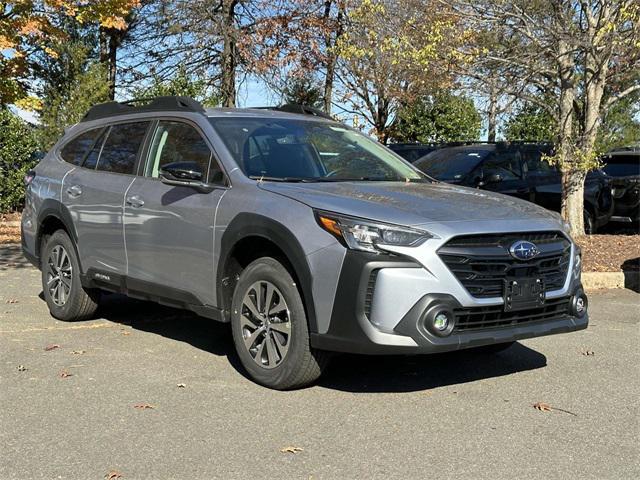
(148, 392)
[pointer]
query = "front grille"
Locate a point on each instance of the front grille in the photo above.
(482, 263)
(479, 318)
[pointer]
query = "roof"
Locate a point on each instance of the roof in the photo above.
(189, 105)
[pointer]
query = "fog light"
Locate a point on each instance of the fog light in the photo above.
(441, 321)
(580, 306)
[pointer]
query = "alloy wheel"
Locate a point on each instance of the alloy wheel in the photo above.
(59, 275)
(265, 324)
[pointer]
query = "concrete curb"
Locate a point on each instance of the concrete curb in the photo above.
(598, 280)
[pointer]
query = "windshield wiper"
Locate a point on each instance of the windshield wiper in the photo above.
(262, 178)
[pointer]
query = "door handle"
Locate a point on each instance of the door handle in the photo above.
(74, 191)
(135, 201)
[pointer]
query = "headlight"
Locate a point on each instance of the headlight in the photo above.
(366, 236)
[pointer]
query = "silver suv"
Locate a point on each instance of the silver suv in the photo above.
(307, 236)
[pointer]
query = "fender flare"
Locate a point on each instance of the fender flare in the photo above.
(54, 208)
(253, 225)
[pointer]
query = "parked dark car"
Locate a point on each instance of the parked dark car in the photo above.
(518, 170)
(413, 151)
(624, 168)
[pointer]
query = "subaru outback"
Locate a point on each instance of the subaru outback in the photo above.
(304, 234)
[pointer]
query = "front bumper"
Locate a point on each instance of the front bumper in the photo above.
(381, 301)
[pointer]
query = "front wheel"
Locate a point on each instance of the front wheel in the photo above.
(270, 330)
(589, 223)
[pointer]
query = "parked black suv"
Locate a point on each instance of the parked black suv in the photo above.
(624, 167)
(519, 170)
(411, 152)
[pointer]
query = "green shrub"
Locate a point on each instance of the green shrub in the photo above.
(17, 156)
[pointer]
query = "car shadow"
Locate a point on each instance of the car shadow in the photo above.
(348, 373)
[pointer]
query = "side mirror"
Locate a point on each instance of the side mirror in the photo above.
(184, 174)
(493, 178)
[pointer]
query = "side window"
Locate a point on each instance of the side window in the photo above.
(121, 147)
(536, 165)
(177, 142)
(92, 156)
(506, 164)
(75, 150)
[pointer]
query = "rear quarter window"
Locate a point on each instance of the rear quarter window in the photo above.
(75, 150)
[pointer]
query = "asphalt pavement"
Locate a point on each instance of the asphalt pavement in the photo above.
(148, 392)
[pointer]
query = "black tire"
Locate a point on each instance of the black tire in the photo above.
(589, 223)
(300, 365)
(493, 348)
(79, 303)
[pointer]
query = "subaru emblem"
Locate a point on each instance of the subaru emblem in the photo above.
(523, 250)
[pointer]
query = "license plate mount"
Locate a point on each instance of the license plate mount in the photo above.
(523, 293)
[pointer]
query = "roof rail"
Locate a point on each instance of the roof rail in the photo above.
(154, 104)
(297, 108)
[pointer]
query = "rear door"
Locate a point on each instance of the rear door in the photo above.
(94, 195)
(545, 179)
(169, 230)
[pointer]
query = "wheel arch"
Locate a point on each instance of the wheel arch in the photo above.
(250, 236)
(53, 216)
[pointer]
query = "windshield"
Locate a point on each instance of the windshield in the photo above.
(622, 166)
(451, 166)
(300, 150)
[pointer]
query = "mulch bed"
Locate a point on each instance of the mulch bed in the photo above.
(610, 253)
(9, 230)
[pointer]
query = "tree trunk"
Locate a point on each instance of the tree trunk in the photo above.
(572, 177)
(109, 42)
(332, 58)
(492, 115)
(229, 55)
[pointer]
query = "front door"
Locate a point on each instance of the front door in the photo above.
(169, 230)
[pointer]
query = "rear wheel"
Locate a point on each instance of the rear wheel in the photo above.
(63, 292)
(270, 330)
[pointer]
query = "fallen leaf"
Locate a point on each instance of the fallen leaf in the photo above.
(291, 450)
(22, 368)
(12, 300)
(65, 374)
(588, 353)
(78, 352)
(182, 385)
(143, 406)
(124, 332)
(543, 407)
(113, 475)
(48, 348)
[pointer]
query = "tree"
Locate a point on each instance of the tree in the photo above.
(392, 52)
(27, 27)
(17, 157)
(224, 41)
(532, 123)
(182, 84)
(303, 91)
(574, 59)
(620, 125)
(67, 103)
(442, 117)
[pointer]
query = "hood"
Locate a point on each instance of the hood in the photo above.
(409, 203)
